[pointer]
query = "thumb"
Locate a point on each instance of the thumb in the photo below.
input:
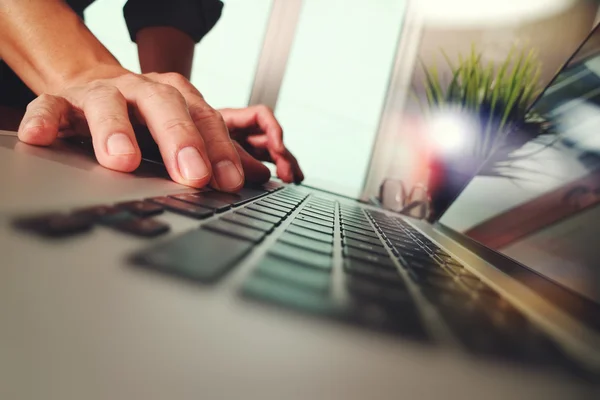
(42, 120)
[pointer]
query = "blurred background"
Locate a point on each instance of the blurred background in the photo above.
(340, 73)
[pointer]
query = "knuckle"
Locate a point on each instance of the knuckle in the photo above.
(178, 125)
(98, 91)
(203, 112)
(161, 91)
(131, 78)
(113, 120)
(175, 78)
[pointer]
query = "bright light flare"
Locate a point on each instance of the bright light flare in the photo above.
(451, 132)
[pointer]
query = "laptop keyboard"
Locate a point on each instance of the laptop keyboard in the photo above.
(337, 261)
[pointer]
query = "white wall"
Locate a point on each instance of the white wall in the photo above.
(225, 59)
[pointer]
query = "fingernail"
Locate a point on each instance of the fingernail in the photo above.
(119, 144)
(191, 164)
(33, 123)
(227, 175)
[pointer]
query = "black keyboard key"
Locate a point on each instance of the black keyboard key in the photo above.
(230, 229)
(301, 256)
(267, 210)
(181, 207)
(272, 206)
(356, 225)
(324, 210)
(199, 254)
(420, 263)
(400, 317)
(283, 201)
(290, 196)
(249, 222)
(423, 276)
(319, 213)
(259, 215)
(306, 243)
(284, 206)
(55, 225)
(248, 194)
(272, 291)
(381, 261)
(141, 208)
(369, 271)
(200, 199)
(273, 186)
(290, 272)
(355, 221)
(145, 227)
(309, 233)
(314, 227)
(317, 216)
(376, 249)
(364, 232)
(362, 238)
(316, 221)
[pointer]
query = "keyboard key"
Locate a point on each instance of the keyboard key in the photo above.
(316, 221)
(145, 227)
(55, 225)
(280, 205)
(324, 210)
(381, 261)
(283, 200)
(141, 208)
(312, 226)
(202, 200)
(271, 290)
(310, 214)
(376, 249)
(355, 221)
(200, 254)
(400, 317)
(315, 212)
(294, 273)
(258, 215)
(289, 196)
(267, 210)
(423, 276)
(235, 230)
(362, 238)
(249, 222)
(272, 206)
(370, 271)
(302, 256)
(181, 207)
(306, 243)
(364, 232)
(309, 233)
(272, 186)
(356, 225)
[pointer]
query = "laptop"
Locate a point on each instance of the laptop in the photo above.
(130, 286)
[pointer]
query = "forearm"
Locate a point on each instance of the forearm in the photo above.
(48, 45)
(165, 49)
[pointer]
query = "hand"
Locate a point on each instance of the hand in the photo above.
(192, 137)
(256, 129)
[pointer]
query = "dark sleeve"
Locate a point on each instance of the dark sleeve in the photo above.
(194, 17)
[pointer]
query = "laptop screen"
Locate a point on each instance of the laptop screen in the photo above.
(537, 198)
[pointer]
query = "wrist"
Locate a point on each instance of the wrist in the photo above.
(85, 76)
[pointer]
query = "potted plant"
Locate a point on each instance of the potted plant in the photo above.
(495, 99)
